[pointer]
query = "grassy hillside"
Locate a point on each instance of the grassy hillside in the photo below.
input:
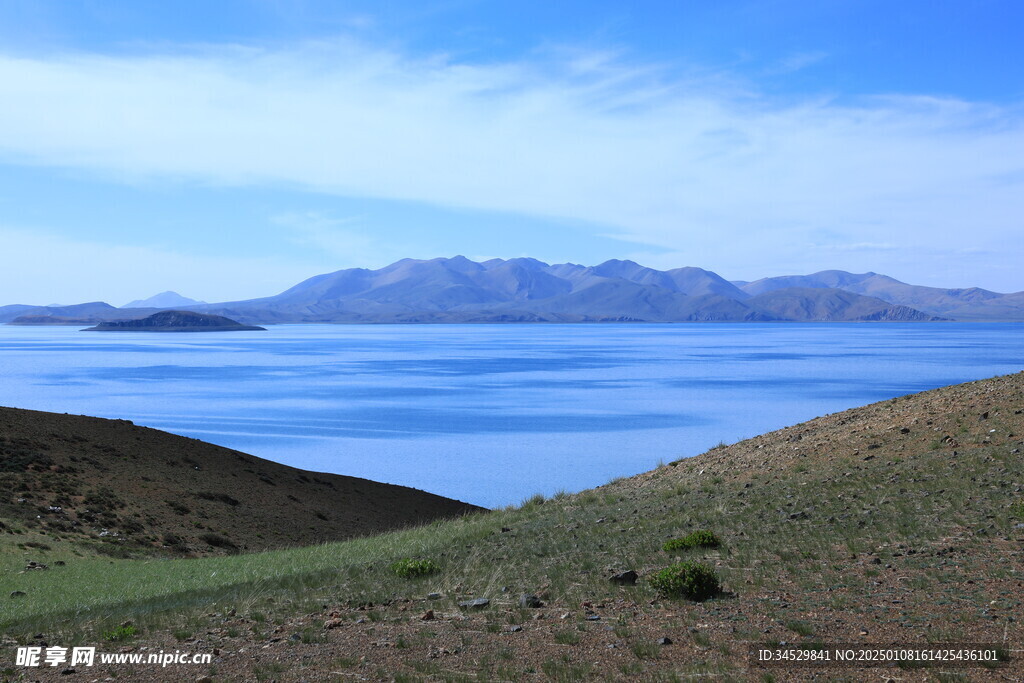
(899, 522)
(110, 487)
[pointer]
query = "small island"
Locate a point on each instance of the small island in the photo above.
(174, 321)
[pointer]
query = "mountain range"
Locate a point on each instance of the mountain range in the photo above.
(458, 290)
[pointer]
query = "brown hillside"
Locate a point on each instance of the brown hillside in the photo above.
(127, 488)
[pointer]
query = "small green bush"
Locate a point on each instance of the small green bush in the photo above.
(690, 580)
(409, 568)
(1017, 510)
(120, 633)
(698, 539)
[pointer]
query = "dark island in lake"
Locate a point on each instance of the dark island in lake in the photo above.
(174, 321)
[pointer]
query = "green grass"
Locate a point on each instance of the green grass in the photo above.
(409, 568)
(567, 637)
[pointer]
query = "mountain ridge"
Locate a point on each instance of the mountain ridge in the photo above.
(459, 290)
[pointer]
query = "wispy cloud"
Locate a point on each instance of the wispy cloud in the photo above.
(335, 236)
(687, 165)
(798, 61)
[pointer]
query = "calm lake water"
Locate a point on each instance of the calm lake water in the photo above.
(490, 414)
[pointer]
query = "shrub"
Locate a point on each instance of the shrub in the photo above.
(1017, 510)
(120, 633)
(698, 539)
(690, 580)
(409, 568)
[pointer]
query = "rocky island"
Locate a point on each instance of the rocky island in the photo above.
(174, 321)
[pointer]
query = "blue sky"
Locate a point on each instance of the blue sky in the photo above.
(228, 150)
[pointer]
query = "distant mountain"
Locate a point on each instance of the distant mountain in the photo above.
(959, 304)
(92, 312)
(459, 290)
(832, 305)
(527, 290)
(163, 300)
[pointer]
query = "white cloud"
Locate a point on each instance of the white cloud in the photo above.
(690, 166)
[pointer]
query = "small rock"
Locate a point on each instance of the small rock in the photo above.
(428, 615)
(476, 603)
(333, 623)
(434, 596)
(600, 521)
(626, 578)
(664, 641)
(204, 679)
(516, 629)
(67, 672)
(505, 529)
(360, 620)
(593, 617)
(295, 636)
(17, 594)
(530, 601)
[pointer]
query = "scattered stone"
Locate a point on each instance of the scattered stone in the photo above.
(530, 601)
(333, 623)
(18, 594)
(428, 615)
(33, 565)
(505, 529)
(626, 578)
(593, 617)
(476, 603)
(67, 672)
(60, 563)
(516, 629)
(664, 641)
(600, 520)
(434, 596)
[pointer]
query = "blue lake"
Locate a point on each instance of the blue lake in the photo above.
(490, 414)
